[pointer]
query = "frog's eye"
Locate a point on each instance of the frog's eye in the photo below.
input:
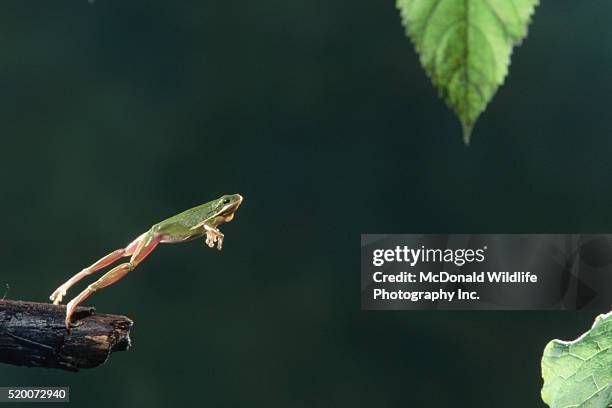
(226, 201)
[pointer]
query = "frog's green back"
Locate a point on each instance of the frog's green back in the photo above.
(181, 225)
(191, 223)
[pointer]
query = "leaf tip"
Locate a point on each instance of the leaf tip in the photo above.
(467, 132)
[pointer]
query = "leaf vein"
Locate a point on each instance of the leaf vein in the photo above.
(502, 23)
(439, 42)
(489, 45)
(427, 22)
(518, 17)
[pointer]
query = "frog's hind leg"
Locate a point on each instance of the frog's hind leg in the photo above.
(60, 292)
(143, 247)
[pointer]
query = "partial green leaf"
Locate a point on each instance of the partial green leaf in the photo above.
(578, 373)
(465, 47)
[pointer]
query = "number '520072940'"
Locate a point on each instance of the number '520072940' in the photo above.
(36, 394)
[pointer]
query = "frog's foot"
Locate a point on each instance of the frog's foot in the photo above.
(57, 296)
(213, 236)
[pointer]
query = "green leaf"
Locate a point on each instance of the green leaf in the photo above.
(465, 47)
(578, 373)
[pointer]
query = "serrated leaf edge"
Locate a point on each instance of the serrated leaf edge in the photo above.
(598, 320)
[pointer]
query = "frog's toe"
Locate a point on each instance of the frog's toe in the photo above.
(58, 295)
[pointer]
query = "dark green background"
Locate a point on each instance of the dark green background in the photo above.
(114, 116)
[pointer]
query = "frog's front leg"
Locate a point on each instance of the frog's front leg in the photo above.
(213, 235)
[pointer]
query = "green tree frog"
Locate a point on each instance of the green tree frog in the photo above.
(196, 222)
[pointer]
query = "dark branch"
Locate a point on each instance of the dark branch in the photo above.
(34, 335)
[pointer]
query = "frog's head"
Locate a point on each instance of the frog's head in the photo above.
(227, 206)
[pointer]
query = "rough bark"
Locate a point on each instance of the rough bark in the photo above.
(34, 335)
